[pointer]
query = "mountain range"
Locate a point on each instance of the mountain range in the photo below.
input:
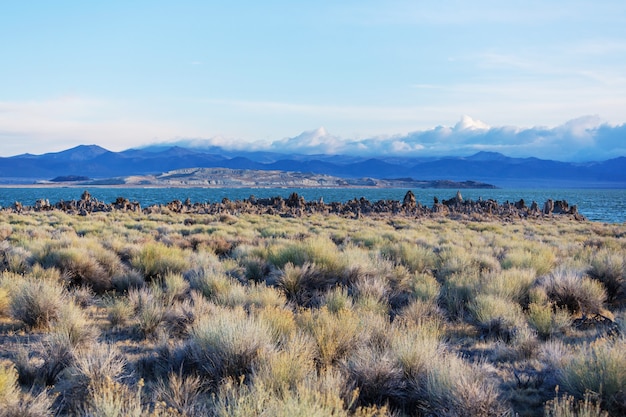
(98, 163)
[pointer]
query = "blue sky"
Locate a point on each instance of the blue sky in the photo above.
(525, 78)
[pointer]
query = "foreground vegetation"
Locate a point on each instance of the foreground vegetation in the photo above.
(123, 314)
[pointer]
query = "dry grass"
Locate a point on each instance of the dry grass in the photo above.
(261, 315)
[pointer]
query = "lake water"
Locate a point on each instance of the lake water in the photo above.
(602, 205)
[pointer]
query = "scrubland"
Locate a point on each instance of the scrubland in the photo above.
(122, 314)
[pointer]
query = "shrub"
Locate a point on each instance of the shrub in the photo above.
(211, 282)
(378, 377)
(174, 287)
(72, 325)
(112, 399)
(457, 291)
(570, 290)
(418, 312)
(496, 316)
(281, 321)
(284, 369)
(337, 300)
(14, 258)
(455, 388)
(316, 396)
(57, 351)
(228, 343)
(454, 261)
(540, 259)
(5, 301)
(15, 404)
(609, 268)
(305, 285)
(82, 296)
(373, 287)
(256, 269)
(424, 287)
(183, 394)
(601, 369)
(335, 334)
(416, 258)
(415, 346)
(157, 260)
(92, 383)
(319, 251)
(548, 320)
(567, 406)
(149, 308)
(9, 390)
(120, 311)
(513, 284)
(261, 296)
(80, 267)
(37, 302)
(128, 280)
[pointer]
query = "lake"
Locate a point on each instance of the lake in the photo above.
(602, 205)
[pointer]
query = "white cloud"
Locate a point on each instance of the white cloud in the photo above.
(582, 139)
(467, 123)
(54, 125)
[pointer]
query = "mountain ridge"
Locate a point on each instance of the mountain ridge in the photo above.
(96, 162)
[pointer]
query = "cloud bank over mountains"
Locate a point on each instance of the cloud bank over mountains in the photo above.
(587, 138)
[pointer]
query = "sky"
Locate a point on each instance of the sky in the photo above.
(525, 78)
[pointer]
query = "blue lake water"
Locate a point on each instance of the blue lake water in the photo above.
(602, 205)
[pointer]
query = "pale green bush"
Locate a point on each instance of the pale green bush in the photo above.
(496, 316)
(609, 267)
(321, 396)
(281, 322)
(72, 325)
(157, 260)
(149, 309)
(547, 319)
(284, 369)
(456, 292)
(36, 302)
(424, 287)
(120, 311)
(415, 257)
(337, 300)
(335, 334)
(513, 284)
(228, 344)
(539, 258)
(601, 369)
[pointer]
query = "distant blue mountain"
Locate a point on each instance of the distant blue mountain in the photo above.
(491, 167)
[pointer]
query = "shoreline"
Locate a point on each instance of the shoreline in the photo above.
(296, 206)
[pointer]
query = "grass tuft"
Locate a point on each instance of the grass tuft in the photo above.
(609, 267)
(576, 293)
(37, 302)
(599, 368)
(228, 344)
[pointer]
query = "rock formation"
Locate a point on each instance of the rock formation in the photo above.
(295, 206)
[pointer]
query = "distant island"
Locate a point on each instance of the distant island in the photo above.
(249, 178)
